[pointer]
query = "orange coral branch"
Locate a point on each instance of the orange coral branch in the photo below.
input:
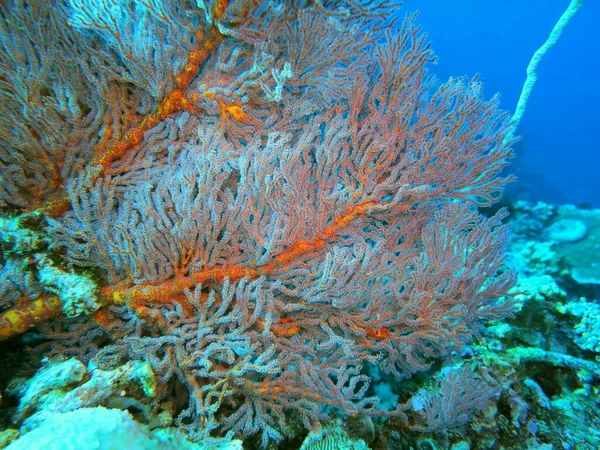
(137, 297)
(174, 102)
(21, 318)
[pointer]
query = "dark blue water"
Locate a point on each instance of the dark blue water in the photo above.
(559, 156)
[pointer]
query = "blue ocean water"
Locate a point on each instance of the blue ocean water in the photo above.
(559, 154)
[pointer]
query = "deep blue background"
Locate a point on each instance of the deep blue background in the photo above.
(559, 155)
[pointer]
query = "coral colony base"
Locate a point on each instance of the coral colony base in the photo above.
(259, 221)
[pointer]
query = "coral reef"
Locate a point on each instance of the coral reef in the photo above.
(545, 359)
(259, 220)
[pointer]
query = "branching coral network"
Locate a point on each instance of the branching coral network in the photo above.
(268, 195)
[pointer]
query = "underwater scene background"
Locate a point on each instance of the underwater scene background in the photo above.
(295, 224)
(557, 155)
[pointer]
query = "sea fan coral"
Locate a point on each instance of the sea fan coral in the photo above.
(270, 195)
